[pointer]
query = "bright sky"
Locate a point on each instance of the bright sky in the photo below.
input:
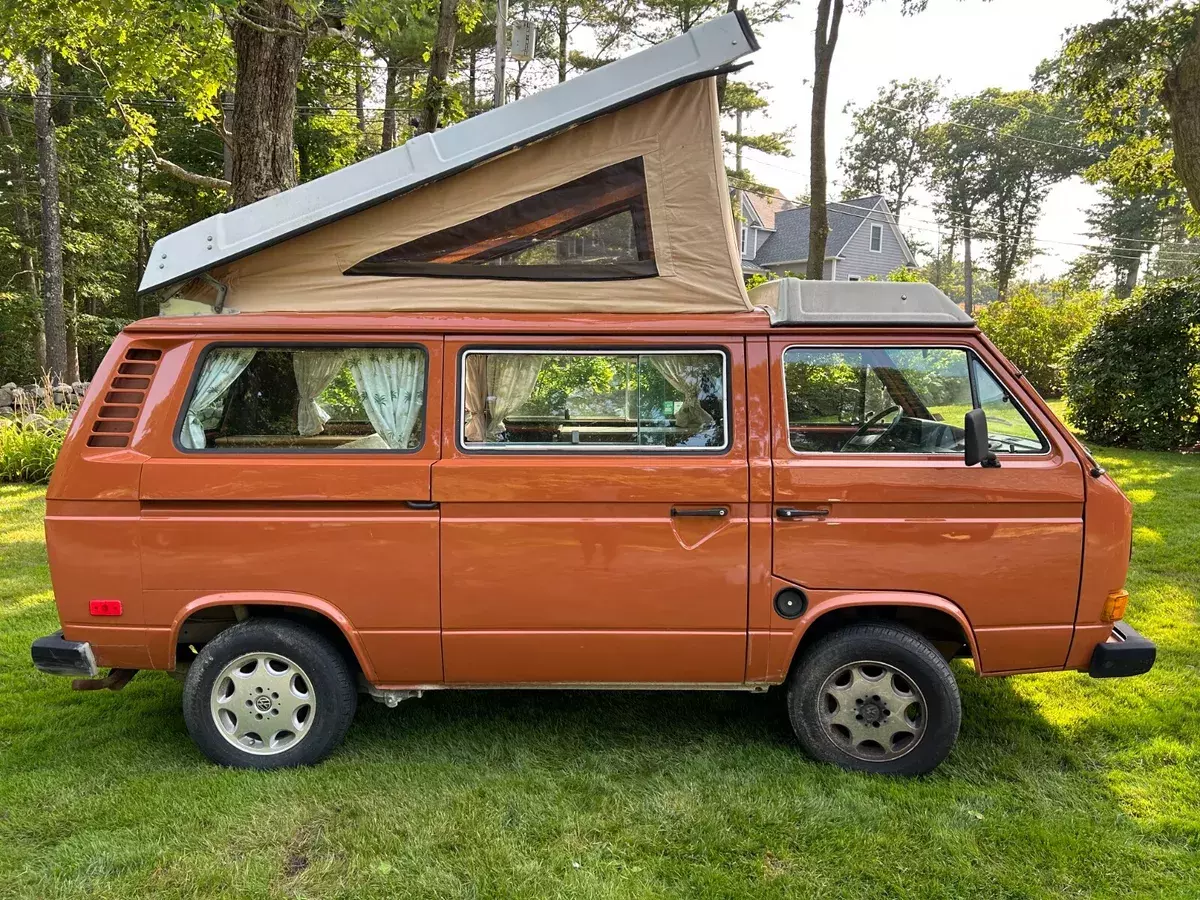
(970, 43)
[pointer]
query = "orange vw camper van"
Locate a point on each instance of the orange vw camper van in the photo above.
(499, 412)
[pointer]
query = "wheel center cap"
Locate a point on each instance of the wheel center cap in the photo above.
(263, 702)
(870, 712)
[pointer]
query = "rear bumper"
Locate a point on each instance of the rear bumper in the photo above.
(1124, 653)
(55, 655)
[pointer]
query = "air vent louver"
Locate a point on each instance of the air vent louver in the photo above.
(123, 398)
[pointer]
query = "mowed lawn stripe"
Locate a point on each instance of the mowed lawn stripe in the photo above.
(1060, 785)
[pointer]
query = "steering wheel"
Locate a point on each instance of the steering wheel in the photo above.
(866, 426)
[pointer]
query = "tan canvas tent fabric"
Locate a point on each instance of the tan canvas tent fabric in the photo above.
(675, 134)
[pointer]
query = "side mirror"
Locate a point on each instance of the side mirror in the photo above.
(977, 450)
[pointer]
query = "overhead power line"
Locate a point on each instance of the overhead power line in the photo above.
(930, 227)
(996, 221)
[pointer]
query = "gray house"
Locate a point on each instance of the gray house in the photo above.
(863, 238)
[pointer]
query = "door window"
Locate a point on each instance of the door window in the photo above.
(897, 400)
(302, 399)
(561, 400)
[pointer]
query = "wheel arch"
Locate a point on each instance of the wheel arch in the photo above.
(939, 620)
(213, 613)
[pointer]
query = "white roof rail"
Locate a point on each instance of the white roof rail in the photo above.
(704, 51)
(794, 301)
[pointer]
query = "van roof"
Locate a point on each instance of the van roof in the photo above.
(702, 52)
(794, 301)
(278, 325)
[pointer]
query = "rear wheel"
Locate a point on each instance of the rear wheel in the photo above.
(875, 698)
(266, 694)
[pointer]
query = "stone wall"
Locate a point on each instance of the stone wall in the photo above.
(17, 400)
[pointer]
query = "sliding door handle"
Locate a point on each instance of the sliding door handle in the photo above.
(719, 512)
(788, 512)
(421, 504)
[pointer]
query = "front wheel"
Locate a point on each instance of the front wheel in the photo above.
(266, 694)
(875, 698)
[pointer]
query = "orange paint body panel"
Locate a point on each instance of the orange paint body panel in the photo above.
(448, 566)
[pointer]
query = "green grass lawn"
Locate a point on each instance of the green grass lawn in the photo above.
(1060, 786)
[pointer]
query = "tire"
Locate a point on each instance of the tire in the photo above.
(258, 682)
(875, 698)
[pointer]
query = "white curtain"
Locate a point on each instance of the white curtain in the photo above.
(220, 371)
(686, 375)
(391, 384)
(510, 381)
(314, 370)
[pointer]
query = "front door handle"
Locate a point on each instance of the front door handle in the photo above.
(788, 512)
(717, 511)
(421, 504)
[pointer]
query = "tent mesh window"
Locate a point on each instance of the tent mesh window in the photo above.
(591, 229)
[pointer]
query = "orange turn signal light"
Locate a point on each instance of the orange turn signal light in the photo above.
(1114, 606)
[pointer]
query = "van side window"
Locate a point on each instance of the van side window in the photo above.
(561, 400)
(293, 398)
(896, 400)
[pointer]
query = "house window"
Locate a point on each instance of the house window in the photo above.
(593, 228)
(876, 238)
(745, 236)
(310, 399)
(564, 400)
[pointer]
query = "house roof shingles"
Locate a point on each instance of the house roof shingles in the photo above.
(768, 207)
(789, 243)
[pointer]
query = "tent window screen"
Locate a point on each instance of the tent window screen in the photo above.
(593, 228)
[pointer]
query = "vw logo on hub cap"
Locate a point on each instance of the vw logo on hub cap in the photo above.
(263, 702)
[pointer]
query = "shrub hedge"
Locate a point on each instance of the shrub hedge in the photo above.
(1134, 381)
(28, 449)
(1038, 336)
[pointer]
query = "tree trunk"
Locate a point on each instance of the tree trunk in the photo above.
(968, 272)
(269, 42)
(471, 79)
(71, 374)
(52, 249)
(142, 256)
(439, 65)
(227, 142)
(389, 137)
(737, 145)
(1129, 277)
(818, 225)
(24, 229)
(563, 35)
(723, 78)
(1181, 95)
(360, 95)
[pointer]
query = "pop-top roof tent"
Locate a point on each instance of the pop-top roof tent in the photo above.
(604, 193)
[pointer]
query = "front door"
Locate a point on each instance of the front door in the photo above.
(872, 494)
(594, 512)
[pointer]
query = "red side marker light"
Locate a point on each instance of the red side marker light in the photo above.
(104, 607)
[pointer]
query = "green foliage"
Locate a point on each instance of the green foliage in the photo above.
(994, 161)
(28, 452)
(1115, 71)
(1134, 381)
(891, 147)
(1038, 335)
(900, 274)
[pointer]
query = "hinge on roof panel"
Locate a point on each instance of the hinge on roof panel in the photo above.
(222, 290)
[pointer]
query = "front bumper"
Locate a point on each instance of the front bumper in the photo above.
(55, 655)
(1124, 653)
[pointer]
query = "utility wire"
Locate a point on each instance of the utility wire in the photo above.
(929, 227)
(997, 221)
